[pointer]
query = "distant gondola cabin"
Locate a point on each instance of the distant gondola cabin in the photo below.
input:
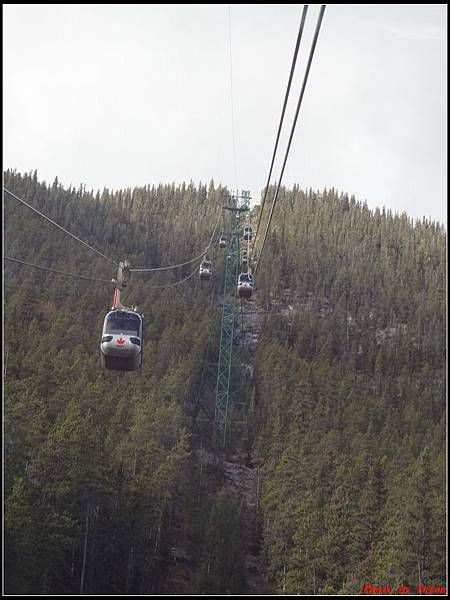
(247, 233)
(245, 285)
(205, 270)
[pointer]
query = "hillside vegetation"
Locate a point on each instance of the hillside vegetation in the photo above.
(103, 474)
(350, 398)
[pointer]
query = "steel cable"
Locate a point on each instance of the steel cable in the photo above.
(313, 46)
(291, 74)
(59, 226)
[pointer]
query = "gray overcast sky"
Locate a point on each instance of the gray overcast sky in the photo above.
(122, 95)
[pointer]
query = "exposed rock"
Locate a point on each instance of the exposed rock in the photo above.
(382, 335)
(242, 482)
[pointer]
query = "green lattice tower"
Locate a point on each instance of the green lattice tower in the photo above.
(229, 313)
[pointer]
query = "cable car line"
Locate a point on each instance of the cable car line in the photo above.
(178, 282)
(166, 284)
(123, 335)
(232, 102)
(291, 74)
(146, 270)
(23, 262)
(100, 253)
(308, 66)
(121, 347)
(215, 228)
(149, 269)
(59, 226)
(104, 281)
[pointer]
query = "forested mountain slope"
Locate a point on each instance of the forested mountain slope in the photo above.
(350, 397)
(87, 455)
(347, 418)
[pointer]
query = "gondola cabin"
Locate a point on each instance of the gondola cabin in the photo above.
(245, 285)
(222, 241)
(244, 260)
(247, 232)
(205, 270)
(122, 341)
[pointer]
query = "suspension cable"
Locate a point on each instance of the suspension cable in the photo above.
(191, 274)
(59, 226)
(313, 46)
(22, 262)
(291, 74)
(203, 253)
(166, 285)
(215, 228)
(232, 102)
(188, 262)
(177, 282)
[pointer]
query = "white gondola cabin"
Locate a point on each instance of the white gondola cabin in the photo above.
(247, 232)
(205, 270)
(121, 347)
(222, 241)
(245, 285)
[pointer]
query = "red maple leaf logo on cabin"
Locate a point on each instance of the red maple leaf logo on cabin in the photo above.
(121, 341)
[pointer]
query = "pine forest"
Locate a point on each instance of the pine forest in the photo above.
(333, 476)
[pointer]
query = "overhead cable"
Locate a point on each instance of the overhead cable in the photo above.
(313, 46)
(291, 74)
(148, 269)
(232, 101)
(23, 262)
(166, 285)
(59, 226)
(203, 253)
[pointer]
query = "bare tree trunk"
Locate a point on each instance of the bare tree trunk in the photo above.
(346, 321)
(45, 583)
(72, 566)
(158, 534)
(257, 489)
(6, 363)
(200, 479)
(130, 570)
(418, 567)
(93, 557)
(86, 530)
